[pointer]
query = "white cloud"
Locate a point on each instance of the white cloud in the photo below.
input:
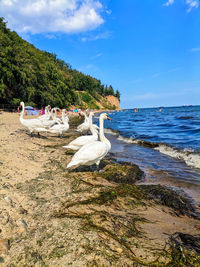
(192, 4)
(195, 49)
(97, 55)
(109, 12)
(103, 35)
(50, 36)
(169, 2)
(50, 16)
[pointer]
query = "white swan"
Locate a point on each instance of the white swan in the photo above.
(34, 125)
(92, 152)
(83, 140)
(85, 126)
(31, 124)
(61, 127)
(54, 115)
(46, 115)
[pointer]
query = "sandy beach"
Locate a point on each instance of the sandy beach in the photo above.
(50, 216)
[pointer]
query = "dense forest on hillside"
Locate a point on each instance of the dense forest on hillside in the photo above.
(39, 78)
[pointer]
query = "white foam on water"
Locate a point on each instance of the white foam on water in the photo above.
(109, 131)
(191, 159)
(129, 140)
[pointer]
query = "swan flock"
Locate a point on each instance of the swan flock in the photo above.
(89, 149)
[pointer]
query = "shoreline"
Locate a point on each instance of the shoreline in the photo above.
(141, 154)
(54, 217)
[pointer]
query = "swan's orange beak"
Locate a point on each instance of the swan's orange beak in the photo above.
(108, 118)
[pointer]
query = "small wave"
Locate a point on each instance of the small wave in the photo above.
(132, 140)
(187, 155)
(186, 118)
(191, 159)
(111, 132)
(129, 140)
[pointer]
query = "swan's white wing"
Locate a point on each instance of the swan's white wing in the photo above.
(56, 127)
(89, 154)
(32, 123)
(83, 127)
(82, 140)
(48, 123)
(40, 130)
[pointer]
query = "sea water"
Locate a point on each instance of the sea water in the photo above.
(164, 142)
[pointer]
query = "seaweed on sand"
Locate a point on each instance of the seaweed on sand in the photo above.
(191, 242)
(110, 195)
(122, 173)
(119, 226)
(106, 223)
(170, 198)
(183, 250)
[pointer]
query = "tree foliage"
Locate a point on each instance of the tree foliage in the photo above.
(39, 77)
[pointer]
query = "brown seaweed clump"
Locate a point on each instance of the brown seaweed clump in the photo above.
(184, 250)
(122, 173)
(191, 242)
(180, 204)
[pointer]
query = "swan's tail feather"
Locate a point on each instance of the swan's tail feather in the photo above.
(71, 164)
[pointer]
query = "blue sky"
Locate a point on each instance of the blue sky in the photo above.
(148, 50)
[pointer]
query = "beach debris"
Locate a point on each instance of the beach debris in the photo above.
(119, 250)
(197, 226)
(22, 226)
(21, 210)
(8, 199)
(4, 245)
(23, 223)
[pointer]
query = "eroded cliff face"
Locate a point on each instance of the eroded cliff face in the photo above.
(113, 100)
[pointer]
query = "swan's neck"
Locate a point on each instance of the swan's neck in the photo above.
(86, 118)
(63, 116)
(22, 112)
(64, 119)
(53, 114)
(101, 132)
(46, 111)
(92, 130)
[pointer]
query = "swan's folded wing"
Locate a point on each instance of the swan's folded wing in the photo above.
(91, 152)
(32, 123)
(82, 140)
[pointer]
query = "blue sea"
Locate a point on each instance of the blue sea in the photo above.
(164, 142)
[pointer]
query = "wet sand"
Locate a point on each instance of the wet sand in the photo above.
(38, 227)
